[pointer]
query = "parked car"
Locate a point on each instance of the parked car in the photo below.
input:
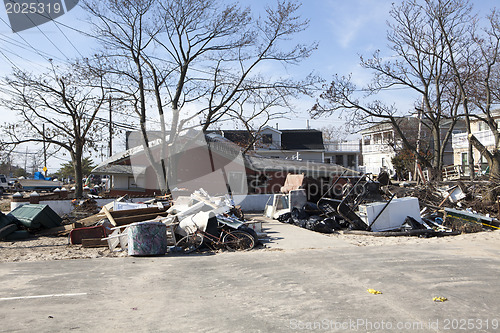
(4, 185)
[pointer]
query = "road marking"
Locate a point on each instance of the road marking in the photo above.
(41, 296)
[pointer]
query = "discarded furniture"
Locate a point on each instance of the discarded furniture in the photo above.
(284, 203)
(453, 172)
(34, 216)
(118, 236)
(292, 182)
(77, 235)
(147, 238)
(392, 215)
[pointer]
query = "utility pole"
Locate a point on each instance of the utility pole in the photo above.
(26, 161)
(110, 128)
(44, 152)
(419, 134)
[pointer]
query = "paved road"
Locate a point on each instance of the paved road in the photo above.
(268, 290)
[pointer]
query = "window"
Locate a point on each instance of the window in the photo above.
(237, 183)
(259, 180)
(351, 160)
(465, 159)
(131, 183)
(339, 159)
(267, 138)
(366, 140)
(328, 160)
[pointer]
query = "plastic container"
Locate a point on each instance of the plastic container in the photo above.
(147, 238)
(35, 216)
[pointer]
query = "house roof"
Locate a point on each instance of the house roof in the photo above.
(116, 169)
(408, 123)
(241, 137)
(117, 163)
(291, 139)
(259, 163)
(302, 140)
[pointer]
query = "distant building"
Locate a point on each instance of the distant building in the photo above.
(461, 144)
(297, 144)
(216, 164)
(380, 143)
(134, 138)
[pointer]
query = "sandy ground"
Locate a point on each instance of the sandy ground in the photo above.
(58, 248)
(480, 237)
(49, 248)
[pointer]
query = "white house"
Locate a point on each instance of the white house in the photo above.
(300, 145)
(461, 144)
(380, 143)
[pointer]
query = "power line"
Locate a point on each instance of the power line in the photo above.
(31, 46)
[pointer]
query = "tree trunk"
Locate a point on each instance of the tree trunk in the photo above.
(494, 191)
(470, 154)
(437, 161)
(77, 162)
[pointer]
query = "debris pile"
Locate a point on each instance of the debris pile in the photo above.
(367, 207)
(26, 220)
(84, 208)
(146, 228)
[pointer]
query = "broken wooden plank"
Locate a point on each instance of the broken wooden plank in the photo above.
(56, 230)
(109, 216)
(137, 211)
(137, 218)
(94, 242)
(91, 220)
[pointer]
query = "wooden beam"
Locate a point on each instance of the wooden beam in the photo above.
(137, 218)
(94, 242)
(109, 216)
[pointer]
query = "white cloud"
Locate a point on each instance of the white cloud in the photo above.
(356, 21)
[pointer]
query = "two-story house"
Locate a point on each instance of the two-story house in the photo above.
(290, 144)
(299, 145)
(380, 142)
(461, 144)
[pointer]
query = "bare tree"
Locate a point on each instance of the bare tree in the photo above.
(200, 59)
(333, 133)
(60, 108)
(474, 60)
(419, 63)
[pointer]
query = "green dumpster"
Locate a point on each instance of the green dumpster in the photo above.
(34, 216)
(5, 220)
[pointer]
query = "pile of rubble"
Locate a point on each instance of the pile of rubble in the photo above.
(155, 227)
(367, 207)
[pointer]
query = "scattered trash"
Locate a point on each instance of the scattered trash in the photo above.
(374, 292)
(467, 222)
(439, 299)
(379, 208)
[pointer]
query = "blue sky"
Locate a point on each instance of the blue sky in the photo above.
(344, 30)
